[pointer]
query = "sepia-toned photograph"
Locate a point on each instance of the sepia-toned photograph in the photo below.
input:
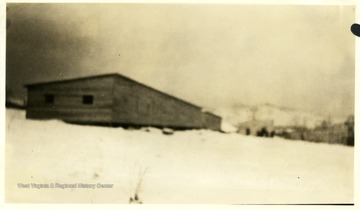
(155, 103)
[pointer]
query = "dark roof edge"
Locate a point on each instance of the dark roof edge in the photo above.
(70, 80)
(210, 113)
(108, 75)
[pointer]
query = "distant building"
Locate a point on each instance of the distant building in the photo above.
(291, 132)
(350, 122)
(340, 133)
(257, 128)
(113, 99)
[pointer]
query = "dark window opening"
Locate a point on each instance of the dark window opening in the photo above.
(49, 98)
(88, 99)
(248, 131)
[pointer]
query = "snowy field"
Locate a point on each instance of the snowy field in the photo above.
(196, 166)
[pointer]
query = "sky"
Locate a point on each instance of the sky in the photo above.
(211, 55)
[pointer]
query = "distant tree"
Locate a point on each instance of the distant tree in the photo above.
(248, 132)
(329, 120)
(350, 130)
(272, 134)
(304, 122)
(263, 132)
(254, 110)
(295, 121)
(324, 124)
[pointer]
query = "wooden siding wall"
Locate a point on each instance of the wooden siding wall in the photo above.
(68, 100)
(139, 105)
(211, 122)
(332, 135)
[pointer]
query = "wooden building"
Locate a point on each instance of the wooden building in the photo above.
(339, 133)
(211, 121)
(257, 128)
(113, 99)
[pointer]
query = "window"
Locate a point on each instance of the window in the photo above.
(49, 98)
(88, 99)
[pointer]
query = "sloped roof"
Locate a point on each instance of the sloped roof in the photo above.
(209, 113)
(108, 75)
(69, 80)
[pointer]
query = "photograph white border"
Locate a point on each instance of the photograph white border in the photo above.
(4, 205)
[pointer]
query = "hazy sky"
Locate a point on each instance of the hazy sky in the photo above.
(210, 55)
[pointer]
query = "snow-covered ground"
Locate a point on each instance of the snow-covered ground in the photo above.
(196, 166)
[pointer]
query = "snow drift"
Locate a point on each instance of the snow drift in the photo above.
(194, 166)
